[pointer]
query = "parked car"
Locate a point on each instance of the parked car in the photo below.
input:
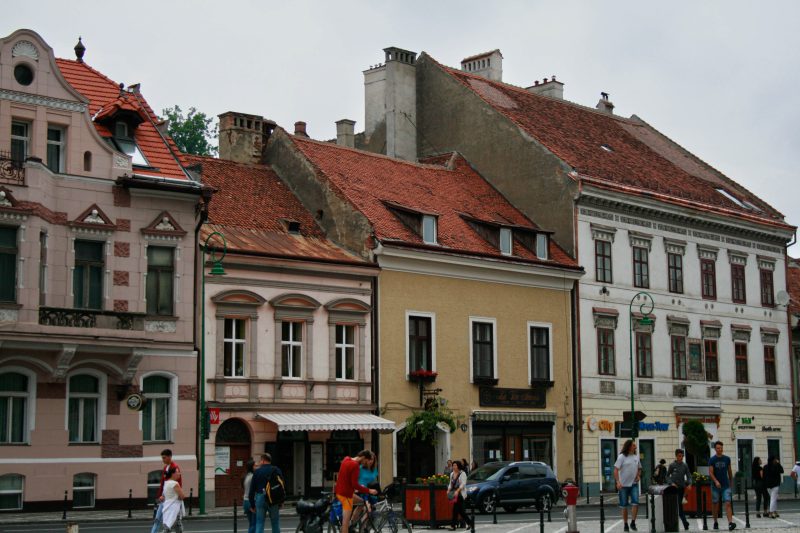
(516, 484)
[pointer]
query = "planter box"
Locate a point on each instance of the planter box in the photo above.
(694, 503)
(427, 505)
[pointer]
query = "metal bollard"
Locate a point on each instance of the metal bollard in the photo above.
(646, 506)
(190, 501)
(549, 518)
(235, 518)
(703, 511)
(64, 514)
(746, 508)
(496, 505)
(602, 516)
(130, 503)
(652, 511)
(541, 520)
(587, 494)
(472, 512)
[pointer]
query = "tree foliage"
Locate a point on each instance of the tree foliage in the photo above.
(194, 133)
(696, 440)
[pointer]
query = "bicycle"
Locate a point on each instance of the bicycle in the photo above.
(382, 515)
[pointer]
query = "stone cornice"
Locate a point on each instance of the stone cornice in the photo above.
(46, 101)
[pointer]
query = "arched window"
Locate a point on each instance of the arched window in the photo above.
(87, 161)
(83, 486)
(12, 488)
(156, 413)
(14, 393)
(84, 402)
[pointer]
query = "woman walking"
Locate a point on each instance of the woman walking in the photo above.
(757, 473)
(172, 508)
(773, 473)
(248, 477)
(458, 484)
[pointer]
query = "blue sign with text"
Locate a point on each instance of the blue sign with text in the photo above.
(653, 426)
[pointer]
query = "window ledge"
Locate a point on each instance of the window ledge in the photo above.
(485, 381)
(148, 442)
(84, 444)
(163, 318)
(543, 383)
(5, 444)
(10, 305)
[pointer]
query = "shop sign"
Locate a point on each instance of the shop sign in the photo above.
(213, 415)
(496, 397)
(222, 460)
(769, 428)
(745, 427)
(653, 426)
(747, 420)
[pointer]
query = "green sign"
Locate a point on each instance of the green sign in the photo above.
(747, 420)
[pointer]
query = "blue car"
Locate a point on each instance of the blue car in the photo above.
(512, 485)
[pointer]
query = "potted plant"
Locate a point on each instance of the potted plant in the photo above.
(422, 375)
(423, 424)
(695, 441)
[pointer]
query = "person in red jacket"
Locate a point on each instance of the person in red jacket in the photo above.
(347, 484)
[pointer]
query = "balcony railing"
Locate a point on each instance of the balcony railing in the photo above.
(90, 318)
(12, 171)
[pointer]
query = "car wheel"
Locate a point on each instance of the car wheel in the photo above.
(487, 504)
(510, 508)
(545, 502)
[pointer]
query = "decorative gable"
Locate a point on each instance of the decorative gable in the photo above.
(294, 306)
(348, 311)
(93, 220)
(164, 227)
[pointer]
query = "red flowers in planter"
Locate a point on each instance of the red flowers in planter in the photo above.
(422, 375)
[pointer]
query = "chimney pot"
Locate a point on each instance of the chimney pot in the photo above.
(605, 104)
(300, 128)
(345, 133)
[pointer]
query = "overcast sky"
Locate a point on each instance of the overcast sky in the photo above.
(722, 78)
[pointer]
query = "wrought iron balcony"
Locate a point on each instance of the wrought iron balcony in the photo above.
(90, 318)
(12, 171)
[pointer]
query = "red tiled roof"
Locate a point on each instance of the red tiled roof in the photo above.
(374, 184)
(102, 91)
(250, 207)
(641, 159)
(793, 285)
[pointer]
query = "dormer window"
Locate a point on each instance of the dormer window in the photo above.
(293, 226)
(541, 245)
(121, 130)
(126, 144)
(505, 241)
(429, 229)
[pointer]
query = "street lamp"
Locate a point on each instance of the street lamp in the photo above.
(645, 309)
(202, 416)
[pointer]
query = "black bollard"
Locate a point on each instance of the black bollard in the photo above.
(602, 516)
(739, 490)
(235, 519)
(652, 511)
(130, 503)
(703, 512)
(541, 519)
(587, 494)
(64, 514)
(646, 506)
(472, 512)
(746, 508)
(496, 505)
(190, 501)
(549, 518)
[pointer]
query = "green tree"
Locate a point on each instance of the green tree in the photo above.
(194, 133)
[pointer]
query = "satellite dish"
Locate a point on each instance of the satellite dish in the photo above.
(782, 298)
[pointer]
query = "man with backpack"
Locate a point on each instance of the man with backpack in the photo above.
(267, 493)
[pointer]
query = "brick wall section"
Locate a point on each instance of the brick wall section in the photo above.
(51, 391)
(123, 224)
(122, 198)
(120, 306)
(110, 437)
(121, 278)
(187, 392)
(110, 446)
(122, 249)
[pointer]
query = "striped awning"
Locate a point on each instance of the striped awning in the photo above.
(514, 416)
(328, 421)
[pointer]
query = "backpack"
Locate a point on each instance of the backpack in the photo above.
(275, 490)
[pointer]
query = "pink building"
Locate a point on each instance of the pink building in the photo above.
(97, 249)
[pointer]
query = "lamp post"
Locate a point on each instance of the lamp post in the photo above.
(202, 416)
(645, 308)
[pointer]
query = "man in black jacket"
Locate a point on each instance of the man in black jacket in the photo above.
(258, 495)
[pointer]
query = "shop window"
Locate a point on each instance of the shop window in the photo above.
(540, 353)
(708, 277)
(675, 272)
(738, 287)
(8, 264)
(420, 347)
(12, 487)
(56, 148)
(14, 397)
(605, 352)
(712, 360)
(770, 372)
(234, 344)
(156, 414)
(740, 351)
(83, 486)
(482, 340)
(153, 484)
(83, 411)
(87, 278)
(345, 351)
(291, 349)
(160, 280)
(678, 344)
(644, 355)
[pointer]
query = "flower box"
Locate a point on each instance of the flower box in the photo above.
(694, 503)
(422, 376)
(427, 505)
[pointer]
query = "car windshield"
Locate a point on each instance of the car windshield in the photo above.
(486, 472)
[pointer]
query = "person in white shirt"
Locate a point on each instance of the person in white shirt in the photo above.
(796, 473)
(627, 472)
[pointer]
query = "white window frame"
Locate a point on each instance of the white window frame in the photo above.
(549, 327)
(26, 139)
(423, 314)
(62, 146)
(21, 492)
(30, 403)
(291, 343)
(506, 241)
(429, 239)
(234, 342)
(101, 396)
(541, 246)
(482, 320)
(173, 403)
(93, 489)
(341, 350)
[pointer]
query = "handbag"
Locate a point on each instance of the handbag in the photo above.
(451, 495)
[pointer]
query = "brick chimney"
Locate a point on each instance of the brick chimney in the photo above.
(243, 138)
(605, 104)
(345, 133)
(300, 128)
(551, 88)
(488, 65)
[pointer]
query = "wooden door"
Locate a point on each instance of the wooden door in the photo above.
(228, 485)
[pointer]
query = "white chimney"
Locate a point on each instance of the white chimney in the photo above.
(605, 104)
(345, 133)
(488, 65)
(551, 88)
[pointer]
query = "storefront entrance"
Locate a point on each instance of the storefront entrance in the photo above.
(608, 456)
(233, 449)
(744, 456)
(647, 457)
(512, 441)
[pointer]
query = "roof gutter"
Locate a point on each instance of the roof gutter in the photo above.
(142, 181)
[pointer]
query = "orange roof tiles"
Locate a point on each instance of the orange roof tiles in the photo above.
(374, 184)
(250, 208)
(638, 157)
(101, 91)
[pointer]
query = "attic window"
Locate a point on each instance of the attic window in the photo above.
(125, 143)
(429, 229)
(541, 245)
(606, 147)
(505, 241)
(293, 226)
(732, 198)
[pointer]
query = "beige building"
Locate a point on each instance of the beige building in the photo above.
(97, 243)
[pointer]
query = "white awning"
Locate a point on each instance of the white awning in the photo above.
(328, 421)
